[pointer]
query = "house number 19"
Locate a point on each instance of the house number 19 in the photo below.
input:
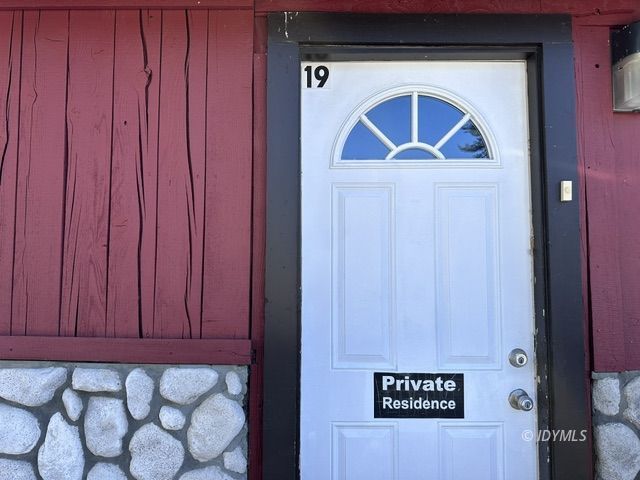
(320, 74)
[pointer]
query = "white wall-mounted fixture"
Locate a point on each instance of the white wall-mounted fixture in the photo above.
(625, 51)
(566, 190)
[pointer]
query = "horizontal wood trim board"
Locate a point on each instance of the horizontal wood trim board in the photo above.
(584, 7)
(126, 350)
(124, 4)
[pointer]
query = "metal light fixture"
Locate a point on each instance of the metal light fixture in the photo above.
(625, 51)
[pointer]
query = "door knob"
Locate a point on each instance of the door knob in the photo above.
(518, 357)
(520, 400)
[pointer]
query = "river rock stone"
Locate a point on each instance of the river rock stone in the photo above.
(16, 470)
(618, 452)
(235, 461)
(172, 418)
(72, 404)
(155, 455)
(19, 430)
(106, 471)
(185, 385)
(632, 396)
(214, 424)
(139, 393)
(606, 395)
(31, 387)
(105, 424)
(234, 384)
(96, 380)
(61, 457)
(209, 473)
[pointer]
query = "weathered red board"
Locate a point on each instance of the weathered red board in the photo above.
(150, 41)
(124, 4)
(180, 176)
(42, 166)
(129, 194)
(10, 34)
(227, 244)
(126, 350)
(89, 122)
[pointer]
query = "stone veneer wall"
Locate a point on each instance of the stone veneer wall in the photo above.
(62, 421)
(616, 423)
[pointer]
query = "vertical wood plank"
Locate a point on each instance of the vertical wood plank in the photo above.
(172, 255)
(128, 199)
(10, 53)
(197, 143)
(41, 175)
(596, 139)
(180, 175)
(228, 184)
(151, 34)
(89, 120)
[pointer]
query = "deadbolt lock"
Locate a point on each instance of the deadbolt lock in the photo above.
(520, 400)
(518, 358)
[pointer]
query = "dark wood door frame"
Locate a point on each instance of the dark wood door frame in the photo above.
(545, 42)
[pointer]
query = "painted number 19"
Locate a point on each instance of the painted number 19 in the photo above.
(320, 73)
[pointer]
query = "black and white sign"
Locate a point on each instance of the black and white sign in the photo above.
(418, 395)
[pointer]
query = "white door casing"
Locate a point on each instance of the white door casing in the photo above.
(420, 265)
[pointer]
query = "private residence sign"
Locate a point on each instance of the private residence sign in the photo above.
(418, 395)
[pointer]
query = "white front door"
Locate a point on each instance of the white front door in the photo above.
(416, 271)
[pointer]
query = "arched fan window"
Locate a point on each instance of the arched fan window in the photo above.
(415, 126)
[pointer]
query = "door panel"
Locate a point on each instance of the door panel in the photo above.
(416, 228)
(363, 246)
(467, 308)
(354, 446)
(471, 452)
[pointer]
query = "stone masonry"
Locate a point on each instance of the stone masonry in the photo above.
(616, 421)
(63, 421)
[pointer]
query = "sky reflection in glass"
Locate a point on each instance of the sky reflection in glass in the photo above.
(441, 131)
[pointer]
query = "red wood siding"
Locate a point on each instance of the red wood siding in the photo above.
(125, 189)
(611, 172)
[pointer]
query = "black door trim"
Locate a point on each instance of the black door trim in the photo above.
(545, 41)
